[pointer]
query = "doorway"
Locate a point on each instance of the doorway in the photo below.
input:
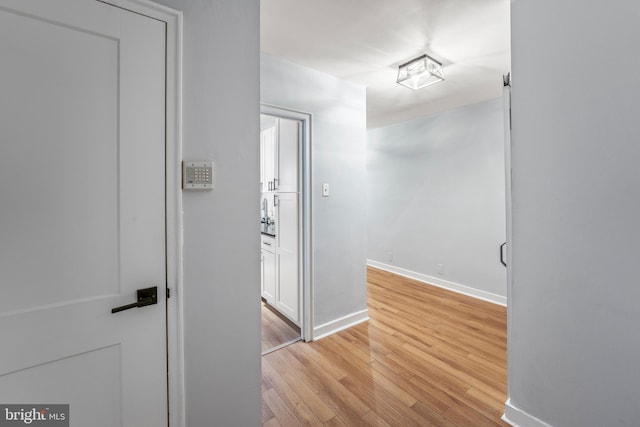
(284, 238)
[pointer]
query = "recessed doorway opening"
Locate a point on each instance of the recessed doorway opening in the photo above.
(284, 227)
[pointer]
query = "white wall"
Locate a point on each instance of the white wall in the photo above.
(338, 158)
(574, 339)
(436, 196)
(221, 249)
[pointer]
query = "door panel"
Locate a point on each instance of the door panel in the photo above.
(82, 388)
(82, 215)
(41, 183)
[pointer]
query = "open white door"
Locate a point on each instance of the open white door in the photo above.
(82, 210)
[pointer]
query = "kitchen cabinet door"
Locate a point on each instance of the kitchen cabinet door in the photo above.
(269, 158)
(288, 284)
(269, 268)
(262, 274)
(269, 276)
(288, 154)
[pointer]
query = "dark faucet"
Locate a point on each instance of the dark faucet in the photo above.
(265, 207)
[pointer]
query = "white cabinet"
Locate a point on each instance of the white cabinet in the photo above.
(287, 242)
(269, 269)
(269, 158)
(280, 272)
(279, 152)
(287, 153)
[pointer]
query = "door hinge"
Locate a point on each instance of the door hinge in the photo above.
(168, 293)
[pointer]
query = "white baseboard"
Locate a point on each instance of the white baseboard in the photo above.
(519, 418)
(340, 324)
(441, 283)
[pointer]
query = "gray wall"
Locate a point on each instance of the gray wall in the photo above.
(221, 250)
(436, 195)
(574, 339)
(338, 158)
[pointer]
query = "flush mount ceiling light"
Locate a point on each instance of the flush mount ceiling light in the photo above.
(420, 72)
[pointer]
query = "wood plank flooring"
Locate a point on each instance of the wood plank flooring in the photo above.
(427, 357)
(276, 330)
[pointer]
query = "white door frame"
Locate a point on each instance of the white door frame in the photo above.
(173, 204)
(506, 99)
(305, 253)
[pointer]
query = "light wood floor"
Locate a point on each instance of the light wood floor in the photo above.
(427, 357)
(276, 330)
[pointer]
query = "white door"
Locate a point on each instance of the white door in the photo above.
(82, 204)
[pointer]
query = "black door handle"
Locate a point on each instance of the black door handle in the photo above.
(147, 296)
(502, 254)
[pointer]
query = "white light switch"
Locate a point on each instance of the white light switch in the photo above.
(325, 190)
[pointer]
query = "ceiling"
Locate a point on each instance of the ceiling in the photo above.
(364, 41)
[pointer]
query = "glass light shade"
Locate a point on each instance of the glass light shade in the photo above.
(420, 72)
